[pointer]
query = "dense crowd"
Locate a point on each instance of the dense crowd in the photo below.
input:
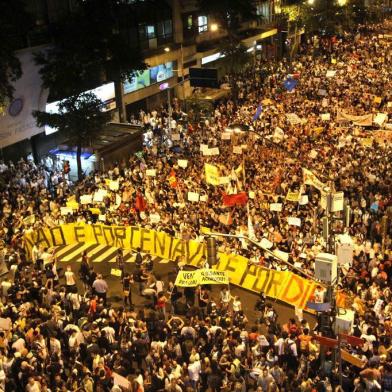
(61, 337)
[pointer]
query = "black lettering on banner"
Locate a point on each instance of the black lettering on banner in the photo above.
(59, 230)
(191, 258)
(97, 230)
(131, 244)
(41, 237)
(178, 250)
(80, 234)
(237, 268)
(145, 239)
(159, 241)
(105, 230)
(120, 234)
(170, 247)
(275, 283)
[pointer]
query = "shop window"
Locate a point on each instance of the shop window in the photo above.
(202, 23)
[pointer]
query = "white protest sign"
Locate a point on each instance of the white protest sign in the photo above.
(293, 118)
(182, 163)
(313, 154)
(193, 196)
(151, 172)
(330, 74)
(322, 92)
(276, 207)
(237, 150)
(226, 136)
(99, 195)
(294, 221)
(378, 305)
(214, 151)
(155, 218)
(114, 185)
(203, 147)
(265, 243)
(224, 180)
(380, 118)
(175, 136)
(303, 200)
(203, 198)
(326, 117)
(299, 313)
(251, 195)
(118, 200)
(86, 199)
(66, 210)
(345, 253)
(324, 102)
(102, 218)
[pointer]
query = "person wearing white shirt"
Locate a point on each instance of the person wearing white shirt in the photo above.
(194, 369)
(70, 280)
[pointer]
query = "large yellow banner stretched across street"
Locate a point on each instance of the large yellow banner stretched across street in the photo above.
(283, 285)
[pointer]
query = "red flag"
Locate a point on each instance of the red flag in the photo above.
(140, 203)
(328, 342)
(240, 199)
(353, 340)
(173, 179)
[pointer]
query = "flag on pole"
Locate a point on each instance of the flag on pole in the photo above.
(173, 179)
(211, 174)
(259, 110)
(290, 84)
(240, 199)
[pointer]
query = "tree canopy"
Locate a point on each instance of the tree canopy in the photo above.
(80, 118)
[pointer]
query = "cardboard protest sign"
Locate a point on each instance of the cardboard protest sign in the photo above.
(380, 118)
(276, 207)
(200, 277)
(66, 210)
(237, 150)
(115, 272)
(182, 163)
(114, 185)
(211, 174)
(214, 151)
(224, 180)
(193, 196)
(203, 198)
(155, 218)
(292, 196)
(294, 221)
(86, 199)
(151, 172)
(226, 136)
(330, 74)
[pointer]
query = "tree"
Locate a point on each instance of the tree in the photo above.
(80, 118)
(91, 46)
(14, 24)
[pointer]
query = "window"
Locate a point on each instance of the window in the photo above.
(150, 30)
(189, 22)
(202, 23)
(165, 29)
(263, 9)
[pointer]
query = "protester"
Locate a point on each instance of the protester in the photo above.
(55, 339)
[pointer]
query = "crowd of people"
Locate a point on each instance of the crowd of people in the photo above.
(61, 337)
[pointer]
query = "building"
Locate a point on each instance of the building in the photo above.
(174, 35)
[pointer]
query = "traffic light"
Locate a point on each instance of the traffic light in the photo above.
(212, 251)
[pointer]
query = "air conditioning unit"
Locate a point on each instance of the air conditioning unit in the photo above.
(326, 267)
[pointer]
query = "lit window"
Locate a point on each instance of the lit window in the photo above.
(202, 23)
(150, 31)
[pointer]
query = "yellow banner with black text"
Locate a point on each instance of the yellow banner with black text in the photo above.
(283, 285)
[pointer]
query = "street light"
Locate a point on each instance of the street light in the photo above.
(342, 3)
(214, 27)
(167, 49)
(310, 2)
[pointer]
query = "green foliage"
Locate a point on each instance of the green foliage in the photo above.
(91, 46)
(14, 24)
(80, 118)
(235, 54)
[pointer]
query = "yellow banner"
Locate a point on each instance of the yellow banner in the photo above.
(200, 277)
(283, 285)
(212, 174)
